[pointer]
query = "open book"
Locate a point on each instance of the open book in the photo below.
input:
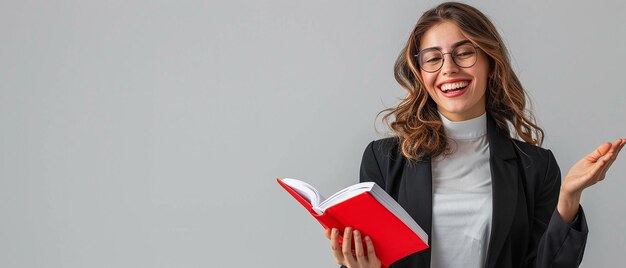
(367, 208)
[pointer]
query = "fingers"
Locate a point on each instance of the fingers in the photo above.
(598, 152)
(346, 248)
(358, 248)
(611, 156)
(362, 256)
(343, 253)
(371, 253)
(327, 233)
(334, 246)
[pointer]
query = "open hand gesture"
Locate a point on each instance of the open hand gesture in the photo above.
(586, 172)
(592, 168)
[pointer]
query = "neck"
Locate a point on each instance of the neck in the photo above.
(466, 129)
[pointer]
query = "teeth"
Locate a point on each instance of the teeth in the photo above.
(450, 86)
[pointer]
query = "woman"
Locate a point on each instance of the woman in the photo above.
(484, 198)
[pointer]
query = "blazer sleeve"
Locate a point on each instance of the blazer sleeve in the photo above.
(370, 168)
(559, 244)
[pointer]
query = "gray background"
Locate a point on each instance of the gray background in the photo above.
(150, 133)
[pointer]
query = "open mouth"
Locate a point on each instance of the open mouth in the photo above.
(455, 86)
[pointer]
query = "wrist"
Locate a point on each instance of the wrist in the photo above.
(569, 196)
(568, 205)
(568, 190)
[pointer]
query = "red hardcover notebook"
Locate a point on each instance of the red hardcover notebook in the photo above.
(367, 208)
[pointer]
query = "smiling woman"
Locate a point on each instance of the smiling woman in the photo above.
(456, 28)
(485, 198)
(457, 89)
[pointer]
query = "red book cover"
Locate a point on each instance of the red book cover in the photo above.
(393, 239)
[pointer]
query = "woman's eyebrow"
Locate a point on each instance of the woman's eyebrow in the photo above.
(465, 41)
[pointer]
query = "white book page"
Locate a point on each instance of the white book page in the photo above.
(318, 202)
(345, 194)
(305, 190)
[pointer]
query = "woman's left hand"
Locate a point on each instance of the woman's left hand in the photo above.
(591, 169)
(586, 172)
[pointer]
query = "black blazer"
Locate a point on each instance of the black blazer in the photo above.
(527, 231)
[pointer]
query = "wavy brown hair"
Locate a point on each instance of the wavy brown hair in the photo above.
(416, 121)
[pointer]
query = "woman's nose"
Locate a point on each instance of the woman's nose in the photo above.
(449, 66)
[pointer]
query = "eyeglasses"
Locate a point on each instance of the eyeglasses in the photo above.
(431, 59)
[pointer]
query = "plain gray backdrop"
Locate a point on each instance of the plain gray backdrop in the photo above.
(150, 133)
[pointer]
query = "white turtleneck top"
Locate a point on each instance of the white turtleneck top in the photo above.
(462, 199)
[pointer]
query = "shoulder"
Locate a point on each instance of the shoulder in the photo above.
(386, 144)
(382, 162)
(531, 153)
(383, 153)
(385, 149)
(537, 162)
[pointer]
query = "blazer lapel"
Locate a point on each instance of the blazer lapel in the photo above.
(504, 182)
(415, 195)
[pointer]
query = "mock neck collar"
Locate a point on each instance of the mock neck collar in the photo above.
(468, 129)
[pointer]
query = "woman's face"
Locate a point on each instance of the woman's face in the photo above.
(459, 92)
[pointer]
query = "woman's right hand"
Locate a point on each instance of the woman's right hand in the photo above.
(360, 258)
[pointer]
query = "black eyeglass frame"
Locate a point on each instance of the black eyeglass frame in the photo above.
(443, 58)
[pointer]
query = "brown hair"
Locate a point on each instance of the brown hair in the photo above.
(416, 120)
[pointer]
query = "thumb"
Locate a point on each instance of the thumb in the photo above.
(599, 152)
